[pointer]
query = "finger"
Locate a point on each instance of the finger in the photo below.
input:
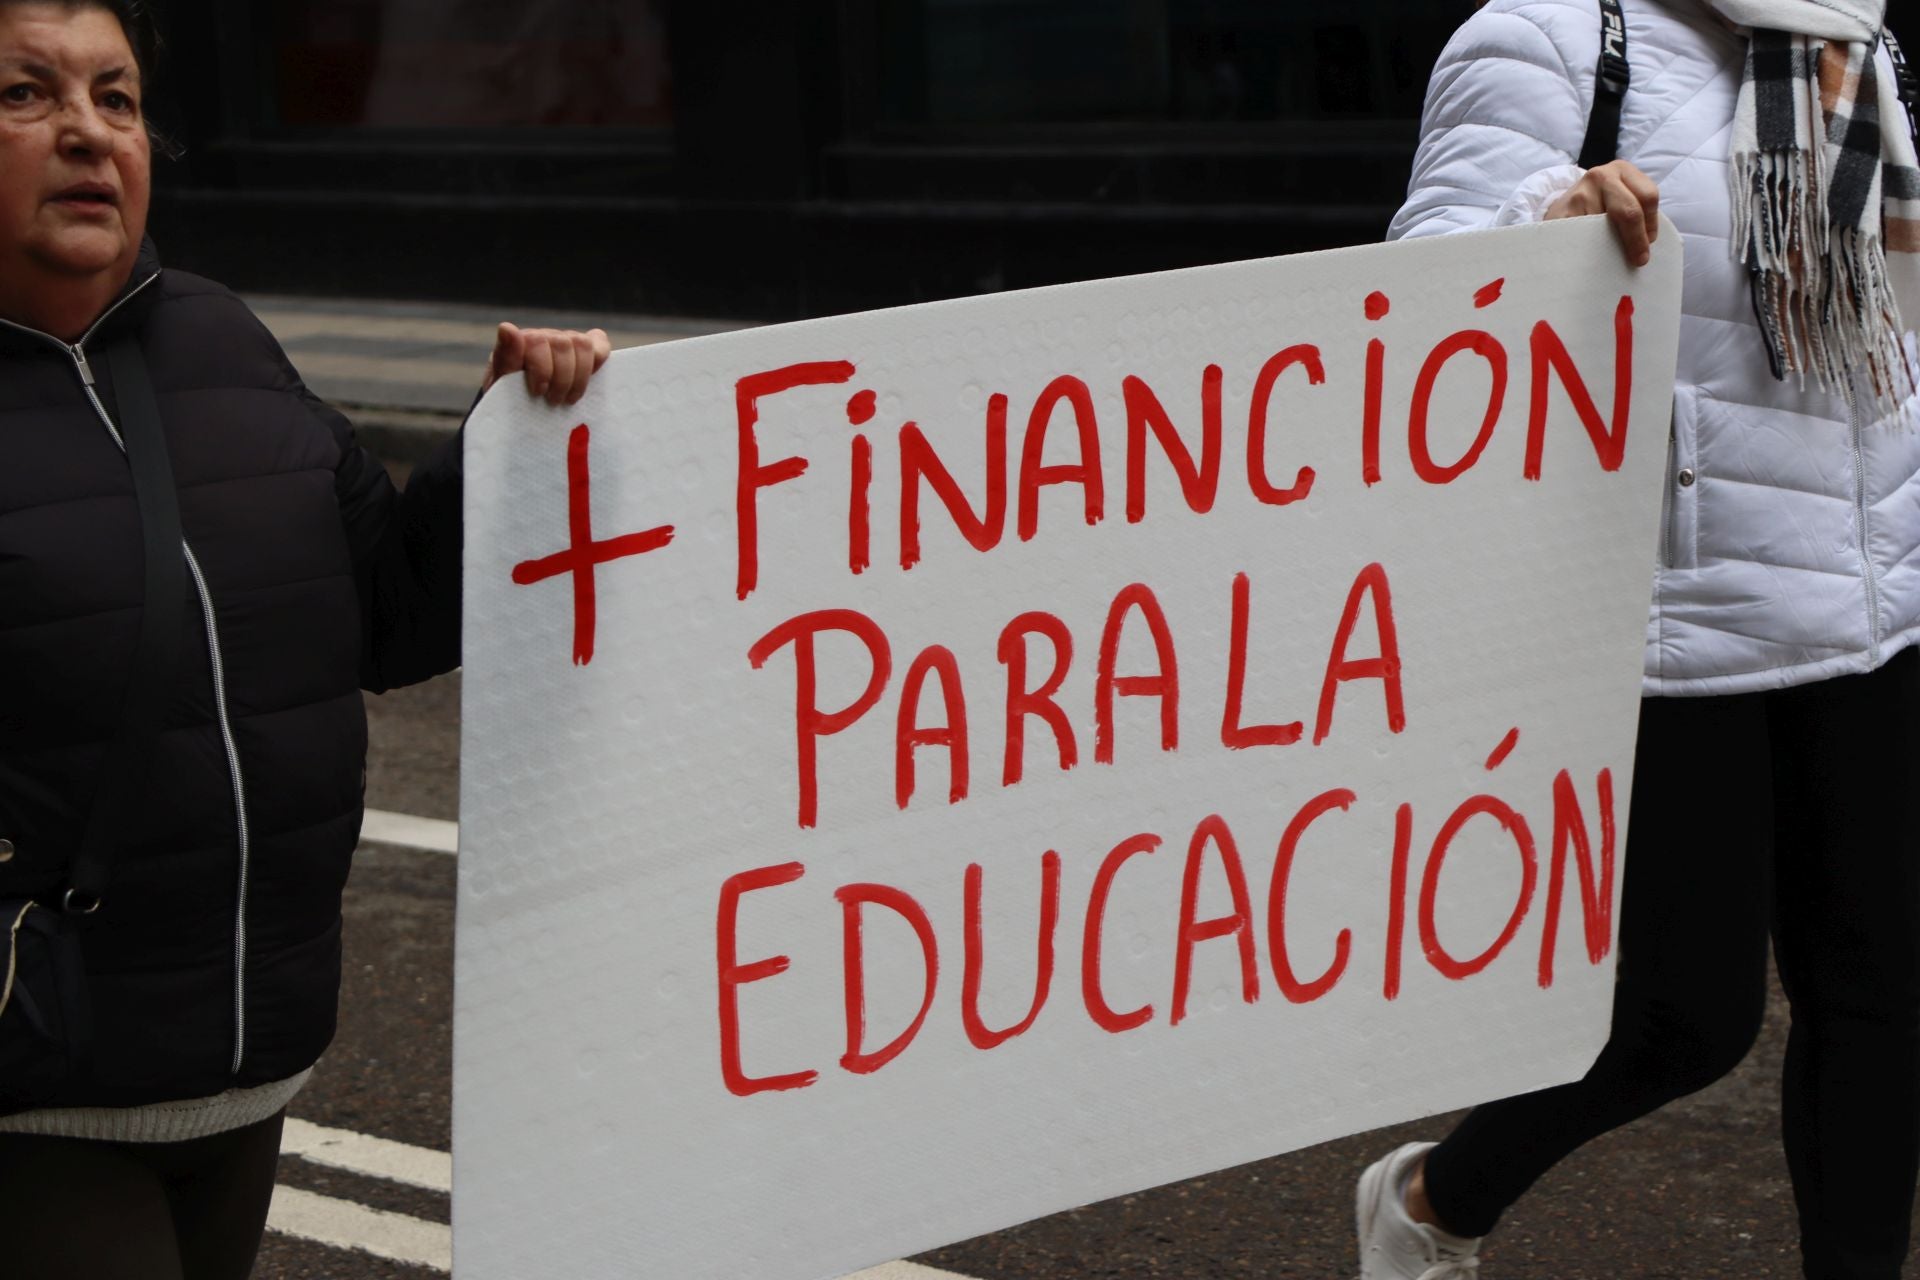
(602, 347)
(583, 366)
(571, 353)
(1623, 177)
(560, 384)
(1647, 192)
(539, 365)
(1629, 221)
(509, 353)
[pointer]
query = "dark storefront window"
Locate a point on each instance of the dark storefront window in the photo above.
(467, 64)
(779, 158)
(1065, 62)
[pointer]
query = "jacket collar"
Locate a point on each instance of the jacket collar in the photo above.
(128, 310)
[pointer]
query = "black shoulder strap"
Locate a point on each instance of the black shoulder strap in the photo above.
(1609, 89)
(123, 773)
(1905, 80)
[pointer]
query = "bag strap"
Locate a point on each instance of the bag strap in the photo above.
(13, 952)
(123, 773)
(1602, 142)
(1904, 81)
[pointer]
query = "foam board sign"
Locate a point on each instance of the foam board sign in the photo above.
(927, 769)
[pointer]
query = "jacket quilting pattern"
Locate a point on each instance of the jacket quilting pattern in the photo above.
(322, 579)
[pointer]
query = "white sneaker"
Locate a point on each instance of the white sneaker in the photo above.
(1392, 1245)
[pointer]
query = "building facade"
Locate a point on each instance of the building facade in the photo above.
(775, 158)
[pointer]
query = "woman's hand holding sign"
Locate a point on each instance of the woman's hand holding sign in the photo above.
(1629, 199)
(557, 362)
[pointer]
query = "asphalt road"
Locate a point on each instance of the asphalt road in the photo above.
(1697, 1191)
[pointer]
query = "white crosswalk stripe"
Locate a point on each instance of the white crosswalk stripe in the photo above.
(343, 1224)
(435, 835)
(369, 1156)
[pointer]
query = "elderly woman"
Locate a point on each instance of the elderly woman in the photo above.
(1774, 781)
(209, 930)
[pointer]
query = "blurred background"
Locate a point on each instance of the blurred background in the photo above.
(773, 159)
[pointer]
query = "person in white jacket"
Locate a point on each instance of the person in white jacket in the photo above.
(1783, 802)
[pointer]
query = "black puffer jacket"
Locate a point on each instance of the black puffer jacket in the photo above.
(214, 961)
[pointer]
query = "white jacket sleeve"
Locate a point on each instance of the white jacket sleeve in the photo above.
(1505, 115)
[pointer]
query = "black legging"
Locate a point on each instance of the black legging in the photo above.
(72, 1209)
(1795, 812)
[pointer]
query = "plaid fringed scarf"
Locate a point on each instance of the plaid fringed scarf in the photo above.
(1826, 199)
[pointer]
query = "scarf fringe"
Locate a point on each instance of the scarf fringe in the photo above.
(1870, 318)
(1823, 295)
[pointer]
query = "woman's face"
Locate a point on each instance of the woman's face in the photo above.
(74, 165)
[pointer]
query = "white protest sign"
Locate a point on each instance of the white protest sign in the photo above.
(927, 769)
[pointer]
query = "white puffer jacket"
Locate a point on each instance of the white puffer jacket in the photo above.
(1791, 549)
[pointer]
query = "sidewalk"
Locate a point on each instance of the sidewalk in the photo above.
(405, 372)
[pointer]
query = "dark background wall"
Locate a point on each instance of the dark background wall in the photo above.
(776, 158)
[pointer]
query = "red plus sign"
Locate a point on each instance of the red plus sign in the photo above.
(583, 553)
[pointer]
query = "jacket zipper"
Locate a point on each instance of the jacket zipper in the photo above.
(1669, 500)
(1866, 549)
(76, 351)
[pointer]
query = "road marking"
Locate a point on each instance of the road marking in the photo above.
(363, 1154)
(343, 1224)
(435, 835)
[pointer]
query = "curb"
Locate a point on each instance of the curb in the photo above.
(407, 436)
